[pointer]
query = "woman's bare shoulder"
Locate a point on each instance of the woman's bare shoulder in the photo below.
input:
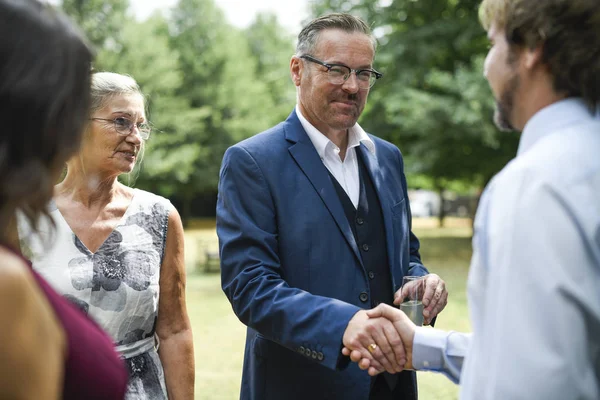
(32, 342)
(14, 277)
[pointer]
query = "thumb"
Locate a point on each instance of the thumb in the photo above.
(385, 311)
(399, 296)
(376, 312)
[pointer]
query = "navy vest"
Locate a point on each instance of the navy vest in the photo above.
(368, 228)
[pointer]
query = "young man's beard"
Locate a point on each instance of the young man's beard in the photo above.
(504, 106)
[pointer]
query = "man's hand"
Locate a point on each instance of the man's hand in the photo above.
(363, 331)
(403, 326)
(435, 297)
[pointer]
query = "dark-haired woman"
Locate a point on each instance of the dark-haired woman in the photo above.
(48, 348)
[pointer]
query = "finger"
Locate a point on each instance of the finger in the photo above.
(398, 296)
(374, 371)
(380, 337)
(437, 293)
(364, 364)
(431, 282)
(405, 291)
(376, 356)
(380, 357)
(378, 353)
(356, 356)
(441, 304)
(346, 351)
(395, 341)
(371, 362)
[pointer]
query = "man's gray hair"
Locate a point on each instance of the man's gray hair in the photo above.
(308, 37)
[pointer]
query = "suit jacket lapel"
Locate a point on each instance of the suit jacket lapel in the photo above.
(384, 199)
(307, 158)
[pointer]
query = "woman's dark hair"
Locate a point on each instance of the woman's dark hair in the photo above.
(45, 66)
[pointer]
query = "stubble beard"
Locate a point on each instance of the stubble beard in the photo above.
(505, 106)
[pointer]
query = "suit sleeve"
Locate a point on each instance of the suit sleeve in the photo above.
(251, 273)
(416, 267)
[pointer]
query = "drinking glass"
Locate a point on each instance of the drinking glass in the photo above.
(412, 305)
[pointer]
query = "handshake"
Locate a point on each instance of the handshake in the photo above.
(381, 339)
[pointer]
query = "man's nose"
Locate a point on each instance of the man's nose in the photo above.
(351, 84)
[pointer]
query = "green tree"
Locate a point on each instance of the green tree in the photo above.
(101, 20)
(228, 100)
(272, 49)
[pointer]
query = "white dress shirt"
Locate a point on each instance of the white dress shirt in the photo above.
(346, 171)
(534, 282)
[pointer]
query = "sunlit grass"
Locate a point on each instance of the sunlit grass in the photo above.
(219, 336)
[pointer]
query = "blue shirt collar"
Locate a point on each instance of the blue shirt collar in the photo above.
(555, 117)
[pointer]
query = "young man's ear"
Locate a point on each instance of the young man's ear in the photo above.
(532, 57)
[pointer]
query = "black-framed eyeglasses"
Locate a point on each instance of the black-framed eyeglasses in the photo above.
(339, 73)
(124, 126)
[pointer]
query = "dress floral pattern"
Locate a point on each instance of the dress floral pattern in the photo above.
(117, 285)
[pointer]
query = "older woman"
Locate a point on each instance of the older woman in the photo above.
(48, 348)
(119, 251)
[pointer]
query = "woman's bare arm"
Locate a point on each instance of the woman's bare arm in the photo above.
(173, 327)
(32, 341)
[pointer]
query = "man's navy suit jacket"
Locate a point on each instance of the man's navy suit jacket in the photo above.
(290, 265)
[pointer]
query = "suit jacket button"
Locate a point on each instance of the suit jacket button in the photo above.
(364, 297)
(360, 221)
(320, 356)
(314, 355)
(371, 274)
(365, 247)
(301, 350)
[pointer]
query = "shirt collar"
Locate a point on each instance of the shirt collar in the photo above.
(555, 117)
(356, 136)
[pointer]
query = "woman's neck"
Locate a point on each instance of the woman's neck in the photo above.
(89, 188)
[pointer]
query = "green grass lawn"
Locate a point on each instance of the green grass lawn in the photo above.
(219, 336)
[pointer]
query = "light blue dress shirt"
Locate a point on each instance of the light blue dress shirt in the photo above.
(534, 282)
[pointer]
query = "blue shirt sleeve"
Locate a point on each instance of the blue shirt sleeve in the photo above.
(440, 351)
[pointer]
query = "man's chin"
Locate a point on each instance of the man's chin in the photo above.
(502, 121)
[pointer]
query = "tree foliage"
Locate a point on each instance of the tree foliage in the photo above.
(209, 85)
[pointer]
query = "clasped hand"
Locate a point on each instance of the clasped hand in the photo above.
(392, 333)
(381, 339)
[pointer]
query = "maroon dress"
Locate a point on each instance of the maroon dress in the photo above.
(93, 369)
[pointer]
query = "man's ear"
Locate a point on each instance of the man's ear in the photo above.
(532, 57)
(296, 70)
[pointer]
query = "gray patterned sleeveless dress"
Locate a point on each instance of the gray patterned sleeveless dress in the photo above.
(117, 285)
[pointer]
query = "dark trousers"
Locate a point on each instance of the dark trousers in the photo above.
(403, 390)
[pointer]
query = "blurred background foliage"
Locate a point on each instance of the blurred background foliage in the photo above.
(209, 85)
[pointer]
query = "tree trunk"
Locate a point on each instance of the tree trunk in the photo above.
(442, 211)
(186, 214)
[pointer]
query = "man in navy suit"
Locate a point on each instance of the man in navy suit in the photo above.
(315, 227)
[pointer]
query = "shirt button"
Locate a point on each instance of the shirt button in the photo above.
(371, 274)
(426, 364)
(365, 247)
(364, 297)
(360, 221)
